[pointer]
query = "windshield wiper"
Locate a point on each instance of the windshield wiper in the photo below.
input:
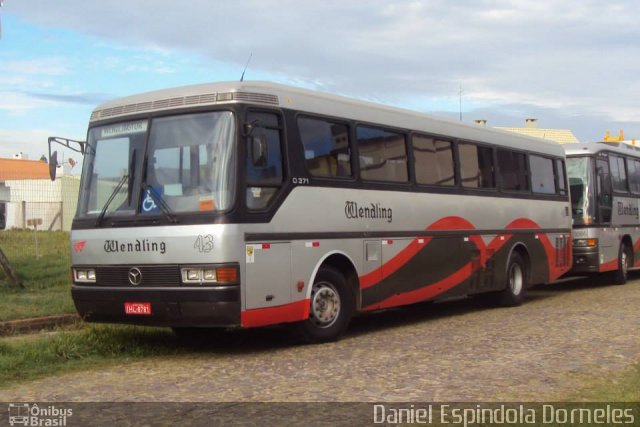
(128, 177)
(115, 191)
(166, 210)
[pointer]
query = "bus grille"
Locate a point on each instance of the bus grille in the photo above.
(155, 275)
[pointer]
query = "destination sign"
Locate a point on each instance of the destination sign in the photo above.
(124, 129)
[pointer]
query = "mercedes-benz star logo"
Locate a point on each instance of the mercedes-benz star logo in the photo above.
(135, 276)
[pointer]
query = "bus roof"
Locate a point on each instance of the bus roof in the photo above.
(303, 100)
(590, 148)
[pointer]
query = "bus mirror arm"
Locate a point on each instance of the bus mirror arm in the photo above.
(248, 128)
(71, 144)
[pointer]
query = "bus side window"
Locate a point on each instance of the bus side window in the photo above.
(633, 169)
(603, 181)
(264, 159)
(618, 173)
(326, 147)
(476, 166)
(382, 154)
(561, 177)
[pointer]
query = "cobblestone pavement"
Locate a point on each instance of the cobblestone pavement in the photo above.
(455, 351)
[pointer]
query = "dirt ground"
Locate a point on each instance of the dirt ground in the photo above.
(454, 351)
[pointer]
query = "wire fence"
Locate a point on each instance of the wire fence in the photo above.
(31, 202)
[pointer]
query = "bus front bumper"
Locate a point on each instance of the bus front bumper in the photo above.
(176, 307)
(585, 260)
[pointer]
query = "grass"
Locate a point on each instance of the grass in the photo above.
(90, 346)
(31, 357)
(624, 387)
(46, 277)
(48, 292)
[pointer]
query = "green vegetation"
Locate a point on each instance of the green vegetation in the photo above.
(624, 387)
(46, 276)
(34, 356)
(47, 292)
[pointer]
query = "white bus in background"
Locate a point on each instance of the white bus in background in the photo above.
(604, 180)
(250, 204)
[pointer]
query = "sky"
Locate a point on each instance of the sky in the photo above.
(571, 64)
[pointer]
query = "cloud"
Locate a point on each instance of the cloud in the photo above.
(31, 142)
(562, 58)
(90, 99)
(41, 67)
(20, 102)
(17, 103)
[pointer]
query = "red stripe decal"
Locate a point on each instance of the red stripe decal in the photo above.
(393, 265)
(636, 259)
(405, 255)
(552, 252)
(608, 266)
(292, 312)
(427, 292)
(434, 289)
(440, 286)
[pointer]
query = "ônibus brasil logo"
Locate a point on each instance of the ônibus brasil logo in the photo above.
(25, 414)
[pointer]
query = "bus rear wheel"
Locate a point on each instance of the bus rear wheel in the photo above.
(625, 257)
(331, 308)
(516, 282)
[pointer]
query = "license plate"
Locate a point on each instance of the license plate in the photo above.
(137, 308)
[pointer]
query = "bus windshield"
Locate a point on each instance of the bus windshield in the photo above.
(580, 175)
(189, 166)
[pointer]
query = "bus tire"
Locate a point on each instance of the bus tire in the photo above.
(516, 282)
(331, 306)
(621, 275)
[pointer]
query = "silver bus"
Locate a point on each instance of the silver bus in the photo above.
(247, 204)
(604, 182)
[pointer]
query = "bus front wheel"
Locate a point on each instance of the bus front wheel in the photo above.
(621, 275)
(331, 307)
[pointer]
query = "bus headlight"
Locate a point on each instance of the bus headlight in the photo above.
(192, 275)
(84, 275)
(585, 243)
(209, 274)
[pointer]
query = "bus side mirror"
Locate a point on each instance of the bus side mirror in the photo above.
(53, 163)
(259, 155)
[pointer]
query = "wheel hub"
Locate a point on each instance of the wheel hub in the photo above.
(325, 304)
(515, 279)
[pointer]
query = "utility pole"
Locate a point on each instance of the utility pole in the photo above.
(460, 95)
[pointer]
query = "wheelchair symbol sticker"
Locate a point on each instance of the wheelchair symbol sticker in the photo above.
(149, 202)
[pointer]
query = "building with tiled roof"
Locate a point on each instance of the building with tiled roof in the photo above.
(27, 195)
(13, 169)
(562, 136)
